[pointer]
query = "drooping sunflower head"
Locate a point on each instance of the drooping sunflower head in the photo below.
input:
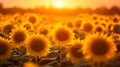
(74, 52)
(38, 46)
(62, 35)
(18, 36)
(5, 49)
(98, 47)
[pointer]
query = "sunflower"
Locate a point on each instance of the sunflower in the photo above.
(78, 24)
(38, 46)
(115, 18)
(117, 41)
(18, 36)
(28, 26)
(116, 28)
(7, 28)
(99, 28)
(94, 17)
(70, 24)
(17, 17)
(33, 18)
(62, 35)
(74, 52)
(5, 49)
(30, 64)
(96, 22)
(99, 48)
(104, 24)
(88, 27)
(44, 30)
(110, 26)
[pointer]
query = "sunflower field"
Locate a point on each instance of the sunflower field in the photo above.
(35, 40)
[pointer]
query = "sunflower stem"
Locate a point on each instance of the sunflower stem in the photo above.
(93, 64)
(99, 64)
(36, 59)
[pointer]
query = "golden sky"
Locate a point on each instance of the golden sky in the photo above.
(63, 3)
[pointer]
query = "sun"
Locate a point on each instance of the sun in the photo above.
(58, 4)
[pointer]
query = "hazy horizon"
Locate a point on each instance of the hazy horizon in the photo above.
(93, 4)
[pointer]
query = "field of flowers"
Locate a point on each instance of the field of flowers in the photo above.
(34, 40)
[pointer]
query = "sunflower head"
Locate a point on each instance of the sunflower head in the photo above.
(117, 41)
(116, 28)
(78, 24)
(99, 28)
(98, 47)
(115, 18)
(87, 27)
(5, 49)
(7, 28)
(74, 52)
(104, 24)
(38, 46)
(33, 18)
(18, 37)
(28, 26)
(96, 22)
(62, 35)
(44, 30)
(70, 24)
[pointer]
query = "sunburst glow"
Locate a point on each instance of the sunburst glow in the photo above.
(58, 4)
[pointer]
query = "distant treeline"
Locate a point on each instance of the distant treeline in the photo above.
(65, 11)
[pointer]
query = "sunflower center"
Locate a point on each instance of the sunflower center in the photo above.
(37, 45)
(3, 48)
(27, 26)
(99, 47)
(88, 27)
(32, 19)
(78, 23)
(75, 50)
(62, 35)
(70, 24)
(44, 32)
(19, 37)
(8, 28)
(116, 29)
(98, 29)
(115, 20)
(118, 48)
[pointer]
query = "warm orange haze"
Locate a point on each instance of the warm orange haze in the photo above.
(62, 3)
